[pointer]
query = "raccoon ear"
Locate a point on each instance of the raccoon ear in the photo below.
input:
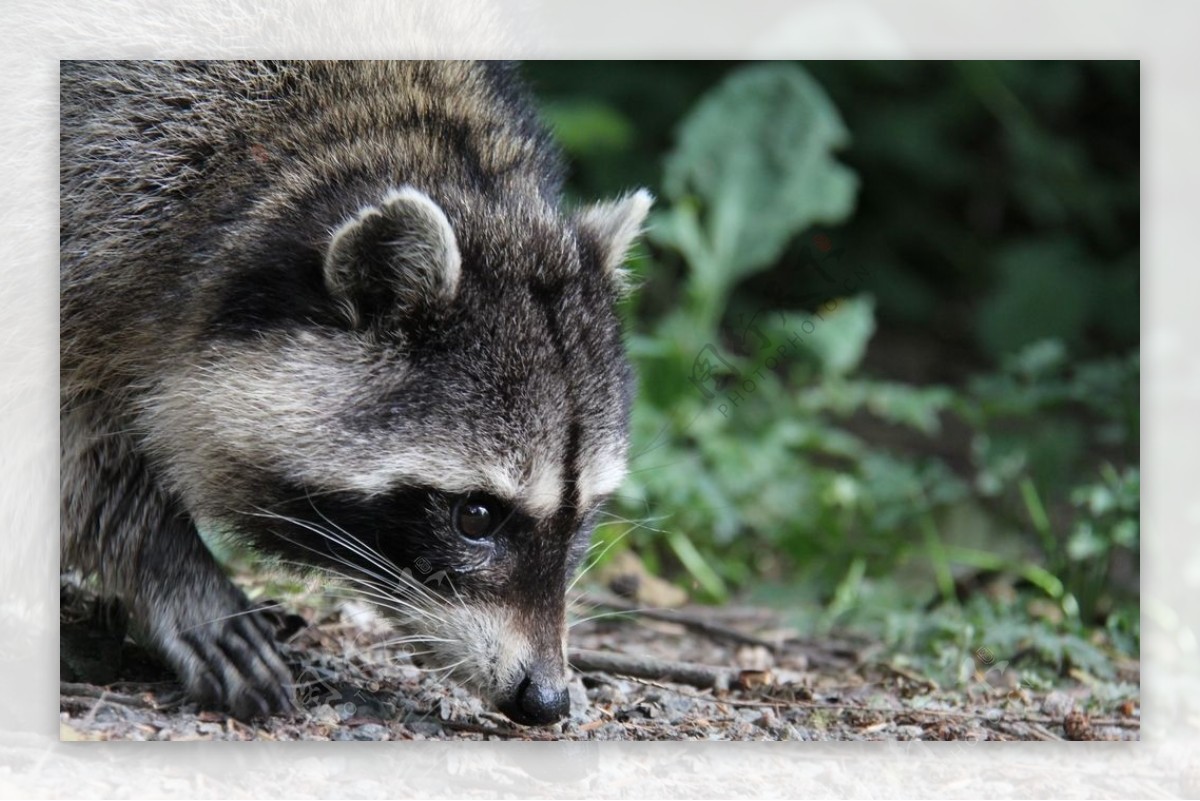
(612, 227)
(393, 258)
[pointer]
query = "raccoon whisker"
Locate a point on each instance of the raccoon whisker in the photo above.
(641, 523)
(579, 606)
(315, 529)
(349, 542)
(659, 440)
(364, 589)
(473, 678)
(592, 564)
(656, 467)
(613, 613)
(445, 670)
(392, 594)
(396, 577)
(374, 554)
(263, 608)
(402, 585)
(405, 611)
(393, 591)
(380, 589)
(309, 493)
(386, 653)
(655, 443)
(413, 638)
(645, 504)
(422, 590)
(361, 590)
(457, 596)
(411, 654)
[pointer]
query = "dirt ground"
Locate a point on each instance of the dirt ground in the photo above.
(695, 673)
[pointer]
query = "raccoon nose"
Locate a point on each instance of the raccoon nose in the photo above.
(537, 702)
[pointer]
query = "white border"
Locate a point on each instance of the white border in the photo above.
(1161, 34)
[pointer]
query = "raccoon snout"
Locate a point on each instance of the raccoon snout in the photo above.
(537, 700)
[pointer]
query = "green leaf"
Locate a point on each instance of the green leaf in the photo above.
(1044, 292)
(583, 127)
(755, 157)
(837, 333)
(697, 565)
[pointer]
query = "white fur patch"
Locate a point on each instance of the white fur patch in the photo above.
(414, 232)
(484, 643)
(615, 225)
(601, 474)
(256, 407)
(542, 493)
(450, 257)
(443, 468)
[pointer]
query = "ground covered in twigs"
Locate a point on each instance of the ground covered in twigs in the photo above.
(696, 673)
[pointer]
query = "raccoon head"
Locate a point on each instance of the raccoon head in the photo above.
(435, 413)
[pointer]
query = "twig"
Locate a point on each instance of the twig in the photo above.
(910, 675)
(645, 667)
(1042, 733)
(477, 728)
(694, 622)
(91, 691)
(1127, 723)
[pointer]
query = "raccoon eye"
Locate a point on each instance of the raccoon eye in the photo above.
(475, 518)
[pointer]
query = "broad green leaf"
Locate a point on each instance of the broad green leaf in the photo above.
(836, 334)
(753, 166)
(582, 127)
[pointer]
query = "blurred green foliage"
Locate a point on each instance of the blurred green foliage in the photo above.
(887, 324)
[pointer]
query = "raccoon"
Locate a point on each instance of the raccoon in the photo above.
(336, 310)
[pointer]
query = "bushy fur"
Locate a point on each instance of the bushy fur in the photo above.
(318, 305)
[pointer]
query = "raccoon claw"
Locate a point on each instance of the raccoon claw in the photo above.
(233, 664)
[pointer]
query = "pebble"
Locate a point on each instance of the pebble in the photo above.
(610, 731)
(367, 731)
(677, 709)
(1057, 704)
(754, 657)
(425, 727)
(579, 702)
(327, 715)
(607, 695)
(749, 714)
(106, 714)
(371, 731)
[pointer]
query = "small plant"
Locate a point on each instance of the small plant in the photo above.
(768, 456)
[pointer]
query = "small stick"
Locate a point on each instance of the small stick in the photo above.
(1042, 733)
(509, 732)
(92, 691)
(703, 677)
(694, 622)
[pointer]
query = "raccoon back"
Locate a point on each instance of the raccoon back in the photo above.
(169, 168)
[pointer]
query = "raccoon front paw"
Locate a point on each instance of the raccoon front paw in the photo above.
(233, 664)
